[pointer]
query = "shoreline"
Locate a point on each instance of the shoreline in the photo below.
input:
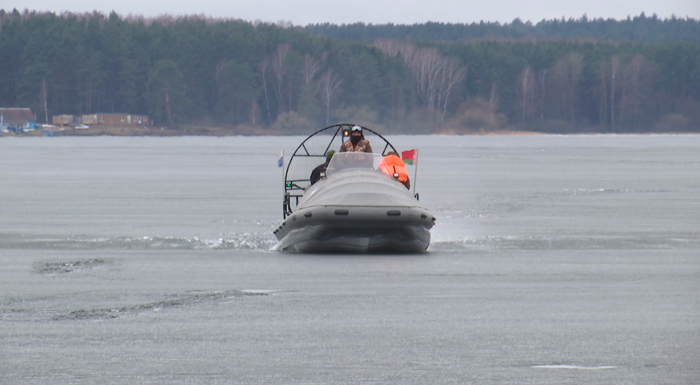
(256, 131)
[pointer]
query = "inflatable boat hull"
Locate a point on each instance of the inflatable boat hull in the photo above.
(356, 229)
(356, 211)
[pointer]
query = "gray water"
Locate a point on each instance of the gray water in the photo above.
(555, 260)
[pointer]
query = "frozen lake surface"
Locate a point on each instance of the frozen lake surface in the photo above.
(555, 260)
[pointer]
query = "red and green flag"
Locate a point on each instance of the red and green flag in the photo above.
(410, 156)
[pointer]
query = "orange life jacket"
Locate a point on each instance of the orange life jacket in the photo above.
(391, 164)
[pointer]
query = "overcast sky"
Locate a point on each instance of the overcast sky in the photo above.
(303, 12)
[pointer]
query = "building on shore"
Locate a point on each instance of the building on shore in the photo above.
(63, 120)
(17, 120)
(116, 119)
(108, 119)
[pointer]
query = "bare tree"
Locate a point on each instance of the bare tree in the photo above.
(279, 68)
(220, 65)
(526, 94)
(388, 46)
(609, 83)
(254, 110)
(311, 67)
(328, 87)
(636, 100)
(452, 75)
(219, 68)
(393, 48)
(308, 105)
(44, 92)
(426, 65)
(436, 76)
(542, 80)
(567, 73)
(493, 99)
(264, 66)
(614, 69)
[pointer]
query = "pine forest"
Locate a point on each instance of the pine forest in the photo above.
(637, 75)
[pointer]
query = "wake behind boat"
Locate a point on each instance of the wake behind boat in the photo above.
(354, 206)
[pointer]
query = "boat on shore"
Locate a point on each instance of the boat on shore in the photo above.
(354, 207)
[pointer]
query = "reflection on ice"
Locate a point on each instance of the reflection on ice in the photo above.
(573, 367)
(262, 241)
(655, 241)
(188, 299)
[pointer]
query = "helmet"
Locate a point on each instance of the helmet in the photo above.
(356, 128)
(329, 155)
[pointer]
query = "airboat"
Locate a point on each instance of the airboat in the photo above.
(354, 207)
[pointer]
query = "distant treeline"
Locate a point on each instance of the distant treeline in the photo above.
(638, 29)
(222, 72)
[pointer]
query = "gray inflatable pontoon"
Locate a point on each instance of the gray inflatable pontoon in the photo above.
(354, 208)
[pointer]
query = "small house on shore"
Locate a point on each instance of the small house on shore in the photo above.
(108, 119)
(17, 120)
(116, 119)
(63, 120)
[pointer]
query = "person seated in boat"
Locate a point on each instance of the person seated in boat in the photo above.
(394, 166)
(321, 168)
(357, 142)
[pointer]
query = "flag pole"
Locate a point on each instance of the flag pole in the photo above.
(280, 163)
(415, 174)
(284, 182)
